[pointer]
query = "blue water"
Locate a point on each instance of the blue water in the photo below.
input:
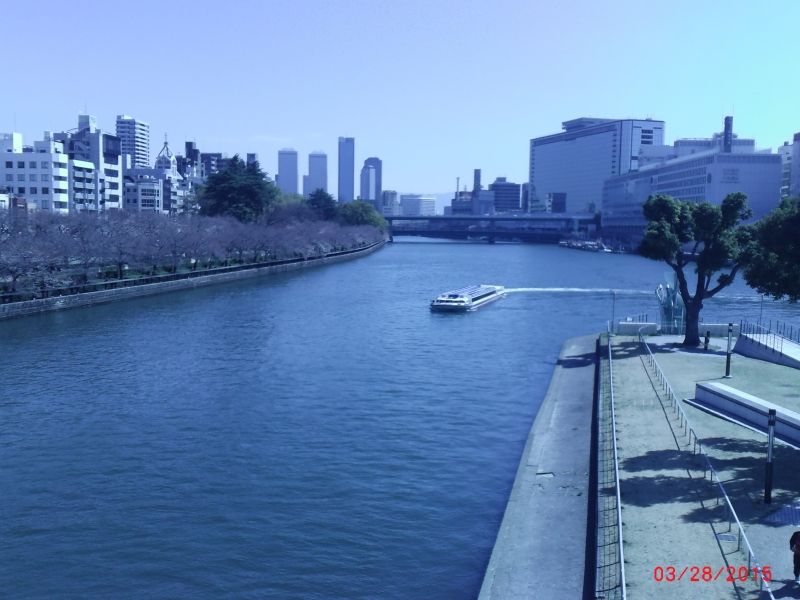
(310, 435)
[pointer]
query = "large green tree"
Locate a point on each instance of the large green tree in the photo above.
(698, 241)
(324, 204)
(361, 213)
(773, 265)
(241, 191)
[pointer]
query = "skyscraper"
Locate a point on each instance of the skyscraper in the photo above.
(134, 139)
(287, 171)
(347, 167)
(371, 187)
(317, 178)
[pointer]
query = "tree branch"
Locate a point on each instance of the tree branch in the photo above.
(727, 280)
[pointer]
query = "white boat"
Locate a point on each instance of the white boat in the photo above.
(468, 298)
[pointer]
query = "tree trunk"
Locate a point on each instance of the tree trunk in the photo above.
(692, 337)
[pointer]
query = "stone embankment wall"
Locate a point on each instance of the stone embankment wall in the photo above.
(29, 307)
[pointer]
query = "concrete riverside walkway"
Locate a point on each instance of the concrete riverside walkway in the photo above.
(666, 516)
(670, 512)
(541, 546)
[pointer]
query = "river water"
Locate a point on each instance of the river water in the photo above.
(311, 435)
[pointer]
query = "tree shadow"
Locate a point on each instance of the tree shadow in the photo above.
(577, 360)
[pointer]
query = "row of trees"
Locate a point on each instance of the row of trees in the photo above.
(243, 218)
(244, 192)
(43, 251)
(708, 245)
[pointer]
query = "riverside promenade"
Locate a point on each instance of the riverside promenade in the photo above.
(673, 511)
(691, 484)
(541, 546)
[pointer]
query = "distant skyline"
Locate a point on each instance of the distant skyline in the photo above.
(462, 84)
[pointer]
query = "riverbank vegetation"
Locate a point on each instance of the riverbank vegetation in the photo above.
(243, 219)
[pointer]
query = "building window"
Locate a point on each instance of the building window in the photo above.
(45, 205)
(9, 164)
(45, 190)
(59, 204)
(21, 164)
(9, 177)
(20, 177)
(45, 164)
(32, 164)
(34, 190)
(20, 190)
(32, 177)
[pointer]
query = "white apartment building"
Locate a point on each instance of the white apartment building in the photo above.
(88, 144)
(134, 137)
(38, 173)
(567, 169)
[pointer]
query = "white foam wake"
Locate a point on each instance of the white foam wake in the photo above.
(575, 290)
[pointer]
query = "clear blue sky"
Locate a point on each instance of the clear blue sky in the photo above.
(434, 88)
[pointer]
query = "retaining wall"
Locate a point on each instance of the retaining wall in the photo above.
(30, 307)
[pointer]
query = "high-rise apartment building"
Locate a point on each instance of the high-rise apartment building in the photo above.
(287, 171)
(134, 137)
(317, 178)
(347, 169)
(371, 184)
(568, 168)
(95, 161)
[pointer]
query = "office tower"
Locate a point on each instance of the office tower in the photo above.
(694, 170)
(506, 195)
(134, 137)
(347, 167)
(569, 168)
(287, 171)
(371, 186)
(317, 178)
(417, 205)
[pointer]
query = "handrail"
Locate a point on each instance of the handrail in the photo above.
(772, 339)
(697, 447)
(616, 471)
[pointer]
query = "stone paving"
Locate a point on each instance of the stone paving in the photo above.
(670, 510)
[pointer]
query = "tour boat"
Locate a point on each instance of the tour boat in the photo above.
(468, 298)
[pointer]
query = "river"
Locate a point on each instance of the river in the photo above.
(318, 434)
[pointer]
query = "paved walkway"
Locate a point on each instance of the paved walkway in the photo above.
(667, 519)
(739, 454)
(541, 546)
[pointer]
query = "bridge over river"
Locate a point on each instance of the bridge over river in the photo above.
(543, 228)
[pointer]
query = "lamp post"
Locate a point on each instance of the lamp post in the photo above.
(613, 311)
(768, 475)
(728, 354)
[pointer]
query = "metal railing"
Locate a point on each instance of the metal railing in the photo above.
(772, 336)
(697, 448)
(610, 580)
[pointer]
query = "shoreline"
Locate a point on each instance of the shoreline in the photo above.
(541, 545)
(191, 280)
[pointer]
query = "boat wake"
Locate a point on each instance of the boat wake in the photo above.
(573, 290)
